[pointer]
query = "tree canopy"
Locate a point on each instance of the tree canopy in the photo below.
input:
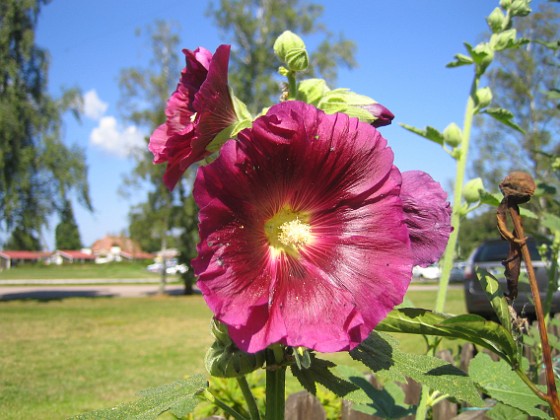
(38, 172)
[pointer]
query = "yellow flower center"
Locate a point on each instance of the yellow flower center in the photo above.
(287, 231)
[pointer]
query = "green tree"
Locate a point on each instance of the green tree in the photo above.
(520, 83)
(152, 221)
(38, 171)
(252, 26)
(67, 234)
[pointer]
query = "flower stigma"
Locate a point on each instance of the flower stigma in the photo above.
(288, 231)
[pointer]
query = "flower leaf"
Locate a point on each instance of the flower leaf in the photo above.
(505, 412)
(551, 221)
(387, 403)
(180, 398)
(429, 133)
(460, 60)
(501, 383)
(473, 328)
(492, 288)
(320, 372)
(380, 354)
(505, 117)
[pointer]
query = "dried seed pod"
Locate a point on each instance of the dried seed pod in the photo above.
(518, 187)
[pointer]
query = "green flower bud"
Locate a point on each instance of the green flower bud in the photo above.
(520, 8)
(496, 20)
(472, 190)
(452, 135)
(556, 163)
(290, 48)
(223, 359)
(503, 40)
(483, 97)
(506, 4)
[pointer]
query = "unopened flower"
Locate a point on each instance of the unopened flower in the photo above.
(381, 114)
(303, 239)
(198, 110)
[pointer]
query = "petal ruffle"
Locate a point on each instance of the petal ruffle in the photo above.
(428, 216)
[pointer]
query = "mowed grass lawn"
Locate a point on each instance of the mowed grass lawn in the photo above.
(114, 270)
(59, 358)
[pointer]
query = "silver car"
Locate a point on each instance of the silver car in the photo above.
(489, 256)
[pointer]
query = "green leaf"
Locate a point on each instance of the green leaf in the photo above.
(506, 412)
(505, 117)
(460, 60)
(311, 90)
(504, 385)
(386, 403)
(493, 199)
(380, 354)
(320, 372)
(551, 221)
(499, 303)
(473, 328)
(429, 133)
(179, 398)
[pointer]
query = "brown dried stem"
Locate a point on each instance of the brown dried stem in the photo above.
(518, 188)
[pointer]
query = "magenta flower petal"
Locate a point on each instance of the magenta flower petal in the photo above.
(382, 115)
(198, 110)
(303, 240)
(428, 216)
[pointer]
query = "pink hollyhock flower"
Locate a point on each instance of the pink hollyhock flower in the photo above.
(428, 215)
(303, 239)
(198, 110)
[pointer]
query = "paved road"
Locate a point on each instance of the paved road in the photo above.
(60, 291)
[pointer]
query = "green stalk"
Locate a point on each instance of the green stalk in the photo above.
(292, 85)
(457, 214)
(275, 384)
(249, 398)
(218, 402)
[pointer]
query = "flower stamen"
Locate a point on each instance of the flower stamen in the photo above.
(288, 231)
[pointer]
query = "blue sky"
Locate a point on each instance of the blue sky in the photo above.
(402, 49)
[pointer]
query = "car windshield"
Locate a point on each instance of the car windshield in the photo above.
(498, 250)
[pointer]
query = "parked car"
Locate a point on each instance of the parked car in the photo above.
(172, 267)
(430, 272)
(489, 255)
(458, 272)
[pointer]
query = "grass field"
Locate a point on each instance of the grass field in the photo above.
(115, 270)
(63, 357)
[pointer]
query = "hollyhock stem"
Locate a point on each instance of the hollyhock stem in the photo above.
(292, 85)
(449, 254)
(249, 398)
(275, 383)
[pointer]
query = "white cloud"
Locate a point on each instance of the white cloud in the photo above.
(94, 107)
(116, 140)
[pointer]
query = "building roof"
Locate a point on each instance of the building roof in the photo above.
(137, 255)
(24, 255)
(75, 255)
(104, 245)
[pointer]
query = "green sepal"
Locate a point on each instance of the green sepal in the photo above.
(482, 98)
(178, 398)
(504, 385)
(311, 91)
(429, 133)
(482, 56)
(348, 102)
(227, 133)
(504, 116)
